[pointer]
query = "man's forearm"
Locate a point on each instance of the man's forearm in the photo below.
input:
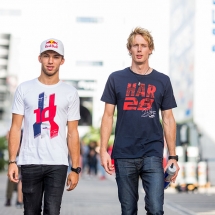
(106, 128)
(74, 148)
(13, 143)
(170, 134)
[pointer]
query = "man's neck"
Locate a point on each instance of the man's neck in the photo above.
(140, 69)
(48, 80)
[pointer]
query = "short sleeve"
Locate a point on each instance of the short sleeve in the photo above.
(109, 95)
(18, 103)
(74, 107)
(168, 101)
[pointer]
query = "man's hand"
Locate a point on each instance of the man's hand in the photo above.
(177, 169)
(106, 162)
(72, 181)
(13, 173)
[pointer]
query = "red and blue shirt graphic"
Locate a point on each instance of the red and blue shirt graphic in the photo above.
(45, 114)
(46, 109)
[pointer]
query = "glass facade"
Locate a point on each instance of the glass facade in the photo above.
(182, 22)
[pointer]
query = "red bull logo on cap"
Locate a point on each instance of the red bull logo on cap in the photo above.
(52, 44)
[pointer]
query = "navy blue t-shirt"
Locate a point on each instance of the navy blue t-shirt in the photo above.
(138, 131)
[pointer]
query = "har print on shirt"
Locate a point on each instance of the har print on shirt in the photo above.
(45, 113)
(133, 92)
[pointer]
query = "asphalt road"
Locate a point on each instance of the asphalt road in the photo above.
(96, 197)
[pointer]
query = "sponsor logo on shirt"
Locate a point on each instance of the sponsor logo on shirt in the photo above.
(46, 114)
(148, 113)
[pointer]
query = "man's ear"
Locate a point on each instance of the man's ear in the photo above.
(129, 52)
(62, 61)
(39, 58)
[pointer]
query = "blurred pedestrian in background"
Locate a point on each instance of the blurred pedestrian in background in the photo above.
(92, 158)
(19, 203)
(84, 154)
(139, 92)
(47, 105)
(101, 171)
(11, 186)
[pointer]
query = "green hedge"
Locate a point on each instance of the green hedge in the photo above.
(3, 146)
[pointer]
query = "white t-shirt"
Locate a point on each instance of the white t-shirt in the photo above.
(46, 110)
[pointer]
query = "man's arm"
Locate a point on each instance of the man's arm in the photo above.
(13, 145)
(74, 152)
(106, 128)
(169, 127)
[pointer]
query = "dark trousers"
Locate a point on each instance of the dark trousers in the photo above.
(11, 186)
(43, 179)
(128, 172)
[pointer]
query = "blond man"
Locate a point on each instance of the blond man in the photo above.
(139, 92)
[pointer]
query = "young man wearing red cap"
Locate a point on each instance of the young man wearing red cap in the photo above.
(139, 92)
(46, 105)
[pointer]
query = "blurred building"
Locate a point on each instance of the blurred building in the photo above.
(192, 61)
(205, 66)
(10, 19)
(192, 69)
(182, 52)
(4, 61)
(94, 34)
(204, 76)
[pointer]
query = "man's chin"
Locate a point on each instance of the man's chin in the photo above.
(49, 73)
(141, 62)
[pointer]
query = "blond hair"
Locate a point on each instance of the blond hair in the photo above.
(144, 33)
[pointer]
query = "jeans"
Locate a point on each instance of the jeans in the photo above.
(150, 170)
(39, 179)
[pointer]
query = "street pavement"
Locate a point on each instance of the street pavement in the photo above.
(99, 197)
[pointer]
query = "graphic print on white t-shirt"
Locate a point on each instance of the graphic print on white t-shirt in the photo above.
(45, 114)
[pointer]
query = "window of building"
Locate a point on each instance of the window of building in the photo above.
(2, 96)
(6, 12)
(86, 105)
(89, 19)
(89, 63)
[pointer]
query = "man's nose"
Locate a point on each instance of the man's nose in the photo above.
(50, 60)
(139, 48)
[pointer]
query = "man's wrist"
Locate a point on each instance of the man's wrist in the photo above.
(12, 161)
(103, 149)
(76, 170)
(175, 157)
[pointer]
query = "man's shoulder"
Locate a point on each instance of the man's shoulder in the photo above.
(119, 72)
(67, 86)
(160, 75)
(28, 83)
